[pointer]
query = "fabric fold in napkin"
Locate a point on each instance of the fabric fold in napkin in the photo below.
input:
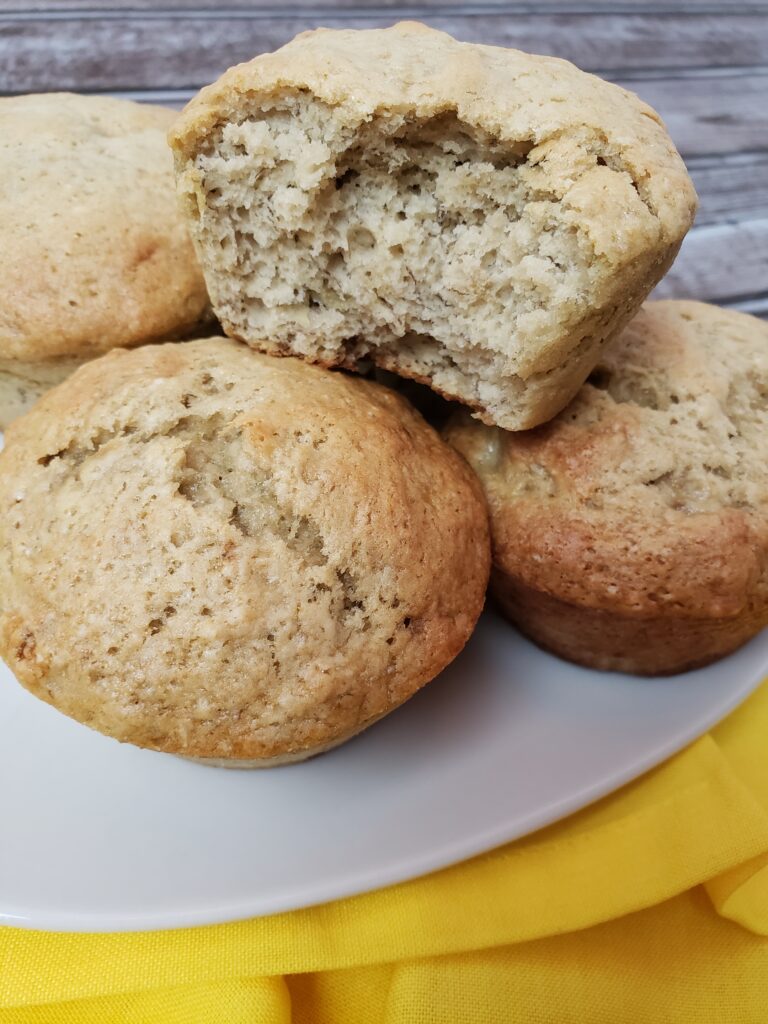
(650, 905)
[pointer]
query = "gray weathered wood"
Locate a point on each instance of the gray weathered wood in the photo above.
(44, 8)
(731, 187)
(139, 51)
(710, 114)
(755, 307)
(721, 262)
(48, 8)
(707, 110)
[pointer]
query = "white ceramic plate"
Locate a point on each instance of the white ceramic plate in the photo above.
(99, 836)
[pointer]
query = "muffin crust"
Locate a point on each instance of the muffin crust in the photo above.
(217, 554)
(93, 250)
(631, 532)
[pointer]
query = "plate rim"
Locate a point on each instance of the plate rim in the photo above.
(404, 869)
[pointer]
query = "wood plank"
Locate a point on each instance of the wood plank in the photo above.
(720, 263)
(710, 114)
(546, 7)
(756, 307)
(731, 187)
(150, 50)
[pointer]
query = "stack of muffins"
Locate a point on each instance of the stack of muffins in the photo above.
(226, 548)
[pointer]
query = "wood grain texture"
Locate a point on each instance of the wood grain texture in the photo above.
(721, 263)
(45, 8)
(139, 51)
(731, 188)
(708, 110)
(710, 113)
(702, 65)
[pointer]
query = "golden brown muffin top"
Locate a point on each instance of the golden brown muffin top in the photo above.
(649, 492)
(222, 554)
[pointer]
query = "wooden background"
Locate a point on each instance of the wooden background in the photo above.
(702, 65)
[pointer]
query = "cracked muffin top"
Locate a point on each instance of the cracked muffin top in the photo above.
(224, 555)
(648, 494)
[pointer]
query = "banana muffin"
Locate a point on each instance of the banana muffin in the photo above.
(227, 556)
(476, 218)
(631, 532)
(93, 250)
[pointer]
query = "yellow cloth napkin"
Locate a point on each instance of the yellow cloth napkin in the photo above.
(650, 906)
